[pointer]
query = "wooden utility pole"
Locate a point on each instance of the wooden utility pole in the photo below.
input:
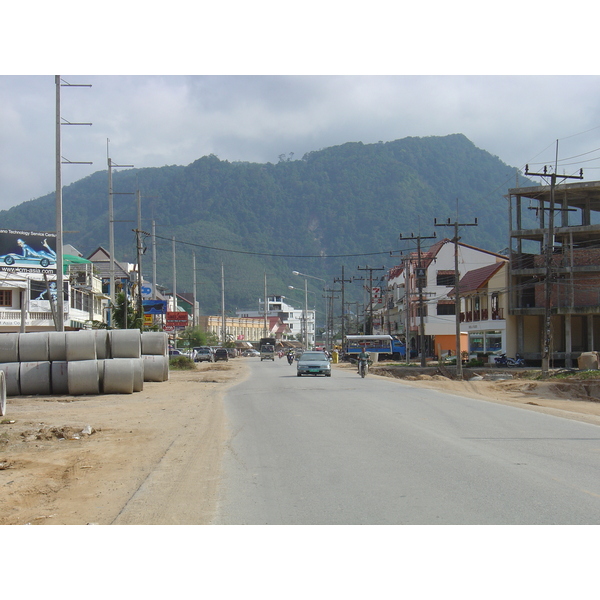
(370, 269)
(421, 273)
(343, 281)
(456, 225)
(548, 252)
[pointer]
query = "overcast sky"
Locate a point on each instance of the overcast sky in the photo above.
(153, 120)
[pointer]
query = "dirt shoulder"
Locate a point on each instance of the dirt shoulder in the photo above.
(111, 459)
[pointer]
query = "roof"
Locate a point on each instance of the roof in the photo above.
(477, 278)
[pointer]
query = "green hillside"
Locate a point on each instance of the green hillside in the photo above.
(344, 205)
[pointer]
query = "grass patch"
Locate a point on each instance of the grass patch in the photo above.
(181, 363)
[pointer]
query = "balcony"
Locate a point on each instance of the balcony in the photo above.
(481, 315)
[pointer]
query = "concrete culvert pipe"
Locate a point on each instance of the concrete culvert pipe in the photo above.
(33, 347)
(35, 378)
(57, 346)
(9, 348)
(125, 343)
(102, 344)
(156, 368)
(11, 374)
(83, 377)
(118, 376)
(59, 377)
(2, 394)
(81, 345)
(155, 342)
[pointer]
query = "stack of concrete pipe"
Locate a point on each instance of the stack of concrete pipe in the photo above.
(82, 362)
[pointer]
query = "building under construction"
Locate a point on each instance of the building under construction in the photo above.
(554, 280)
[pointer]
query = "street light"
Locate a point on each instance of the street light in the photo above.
(305, 341)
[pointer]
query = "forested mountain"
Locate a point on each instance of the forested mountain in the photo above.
(344, 205)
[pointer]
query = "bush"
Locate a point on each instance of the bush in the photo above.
(181, 363)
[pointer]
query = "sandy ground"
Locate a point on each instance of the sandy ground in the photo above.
(154, 457)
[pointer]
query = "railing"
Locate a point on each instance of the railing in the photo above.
(481, 315)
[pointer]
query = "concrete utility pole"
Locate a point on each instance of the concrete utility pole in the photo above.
(111, 233)
(223, 322)
(266, 307)
(370, 269)
(343, 281)
(456, 225)
(548, 252)
(59, 321)
(421, 277)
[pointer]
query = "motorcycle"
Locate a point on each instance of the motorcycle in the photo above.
(290, 358)
(505, 361)
(363, 368)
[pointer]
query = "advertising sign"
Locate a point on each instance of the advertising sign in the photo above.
(155, 307)
(177, 319)
(40, 293)
(31, 251)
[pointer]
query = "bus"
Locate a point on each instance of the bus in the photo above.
(386, 345)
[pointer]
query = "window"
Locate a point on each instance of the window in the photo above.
(5, 297)
(446, 309)
(445, 278)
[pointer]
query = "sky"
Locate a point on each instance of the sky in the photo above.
(152, 121)
(253, 83)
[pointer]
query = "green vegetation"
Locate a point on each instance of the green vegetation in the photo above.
(353, 199)
(181, 363)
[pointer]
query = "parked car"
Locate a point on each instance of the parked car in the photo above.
(313, 363)
(232, 352)
(203, 354)
(221, 354)
(175, 352)
(251, 353)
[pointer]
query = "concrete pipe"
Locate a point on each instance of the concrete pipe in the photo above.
(101, 369)
(83, 377)
(102, 344)
(81, 345)
(137, 365)
(9, 348)
(59, 376)
(57, 346)
(35, 378)
(118, 376)
(125, 343)
(11, 374)
(33, 347)
(155, 342)
(156, 368)
(2, 394)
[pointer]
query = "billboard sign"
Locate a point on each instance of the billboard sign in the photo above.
(155, 307)
(177, 319)
(31, 251)
(41, 291)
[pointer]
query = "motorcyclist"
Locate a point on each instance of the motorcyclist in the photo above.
(363, 356)
(290, 357)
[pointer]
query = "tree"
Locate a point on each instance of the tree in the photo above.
(124, 308)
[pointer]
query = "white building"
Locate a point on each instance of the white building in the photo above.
(290, 316)
(401, 312)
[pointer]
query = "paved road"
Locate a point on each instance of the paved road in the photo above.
(346, 450)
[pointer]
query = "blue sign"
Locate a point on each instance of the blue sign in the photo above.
(154, 307)
(146, 290)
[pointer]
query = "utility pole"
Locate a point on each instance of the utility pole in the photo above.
(195, 316)
(456, 225)
(266, 329)
(329, 316)
(370, 269)
(223, 322)
(548, 252)
(59, 322)
(111, 233)
(174, 277)
(343, 281)
(421, 277)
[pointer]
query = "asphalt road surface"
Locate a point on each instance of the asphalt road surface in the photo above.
(345, 450)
